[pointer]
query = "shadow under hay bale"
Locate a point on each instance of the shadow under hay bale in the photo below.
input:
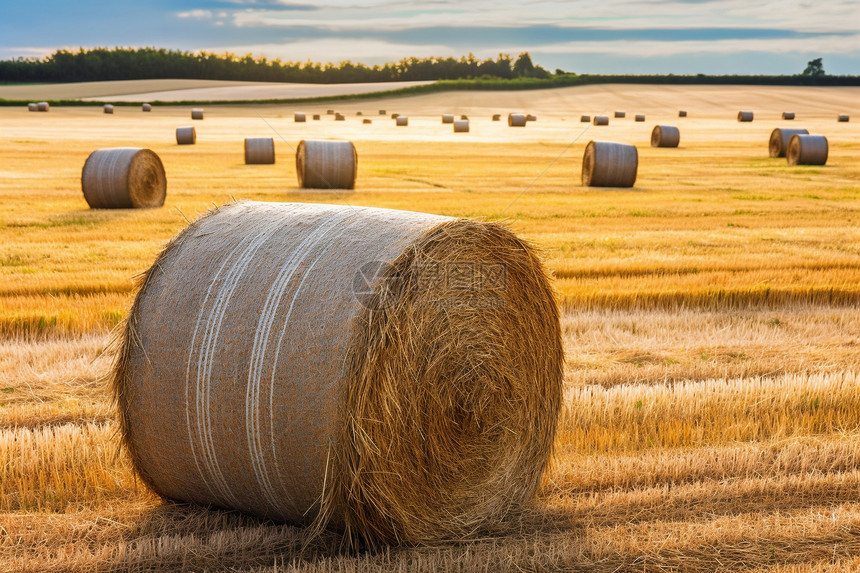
(516, 120)
(607, 164)
(778, 143)
(665, 136)
(259, 151)
(745, 116)
(186, 136)
(326, 164)
(123, 178)
(807, 150)
(331, 348)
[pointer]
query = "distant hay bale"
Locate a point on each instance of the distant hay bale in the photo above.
(607, 164)
(339, 117)
(358, 113)
(108, 108)
(745, 116)
(807, 150)
(123, 178)
(186, 136)
(682, 113)
(788, 115)
(334, 366)
(43, 106)
(146, 107)
(497, 117)
(32, 107)
(516, 120)
(299, 117)
(197, 113)
(461, 126)
(259, 151)
(620, 114)
(531, 117)
(464, 117)
(326, 164)
(447, 118)
(585, 119)
(329, 112)
(778, 144)
(665, 136)
(315, 117)
(382, 112)
(843, 118)
(639, 117)
(601, 120)
(395, 115)
(366, 121)
(401, 121)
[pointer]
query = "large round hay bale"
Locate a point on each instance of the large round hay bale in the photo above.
(447, 118)
(601, 120)
(585, 119)
(639, 117)
(620, 114)
(43, 106)
(299, 117)
(461, 126)
(788, 115)
(745, 116)
(259, 151)
(516, 120)
(108, 108)
(607, 164)
(778, 144)
(186, 136)
(665, 136)
(807, 150)
(197, 113)
(497, 117)
(682, 113)
(843, 118)
(123, 178)
(401, 121)
(146, 107)
(32, 107)
(326, 164)
(394, 375)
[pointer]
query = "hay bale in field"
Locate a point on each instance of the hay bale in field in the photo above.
(745, 116)
(620, 114)
(326, 164)
(382, 112)
(464, 117)
(843, 118)
(395, 115)
(601, 120)
(259, 151)
(339, 117)
(639, 117)
(358, 113)
(329, 112)
(461, 126)
(807, 150)
(197, 113)
(778, 144)
(401, 121)
(788, 115)
(497, 117)
(186, 136)
(394, 375)
(607, 164)
(682, 113)
(32, 107)
(299, 117)
(108, 108)
(531, 117)
(43, 106)
(665, 136)
(447, 118)
(316, 117)
(366, 121)
(146, 107)
(516, 120)
(123, 178)
(585, 119)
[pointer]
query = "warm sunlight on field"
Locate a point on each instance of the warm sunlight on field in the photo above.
(711, 320)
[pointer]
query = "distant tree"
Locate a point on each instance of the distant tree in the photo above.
(814, 69)
(523, 67)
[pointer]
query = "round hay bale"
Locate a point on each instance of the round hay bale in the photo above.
(788, 115)
(32, 107)
(326, 164)
(339, 117)
(516, 120)
(108, 108)
(299, 117)
(464, 117)
(397, 376)
(745, 116)
(778, 144)
(197, 113)
(43, 106)
(843, 118)
(620, 114)
(382, 112)
(497, 117)
(316, 117)
(639, 117)
(461, 126)
(807, 150)
(665, 136)
(531, 117)
(358, 113)
(123, 178)
(329, 112)
(186, 136)
(259, 151)
(395, 115)
(401, 121)
(606, 164)
(146, 107)
(447, 118)
(585, 119)
(601, 120)
(682, 113)
(366, 121)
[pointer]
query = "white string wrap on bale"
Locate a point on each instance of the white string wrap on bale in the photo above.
(745, 116)
(607, 164)
(788, 115)
(43, 106)
(401, 121)
(299, 117)
(461, 126)
(601, 120)
(396, 376)
(665, 136)
(32, 107)
(843, 118)
(447, 118)
(620, 114)
(639, 117)
(108, 108)
(146, 107)
(778, 143)
(123, 178)
(807, 150)
(585, 119)
(516, 120)
(682, 113)
(186, 136)
(259, 151)
(326, 164)
(196, 113)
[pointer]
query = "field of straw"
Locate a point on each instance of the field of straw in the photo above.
(711, 319)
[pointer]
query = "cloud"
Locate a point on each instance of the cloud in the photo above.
(196, 14)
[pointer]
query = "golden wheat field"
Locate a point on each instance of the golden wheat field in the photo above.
(711, 320)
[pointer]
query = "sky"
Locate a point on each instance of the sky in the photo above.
(608, 36)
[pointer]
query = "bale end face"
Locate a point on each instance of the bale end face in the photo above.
(43, 106)
(32, 107)
(124, 178)
(607, 164)
(778, 142)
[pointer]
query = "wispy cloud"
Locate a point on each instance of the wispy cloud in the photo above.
(197, 14)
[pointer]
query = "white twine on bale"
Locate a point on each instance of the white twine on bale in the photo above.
(326, 164)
